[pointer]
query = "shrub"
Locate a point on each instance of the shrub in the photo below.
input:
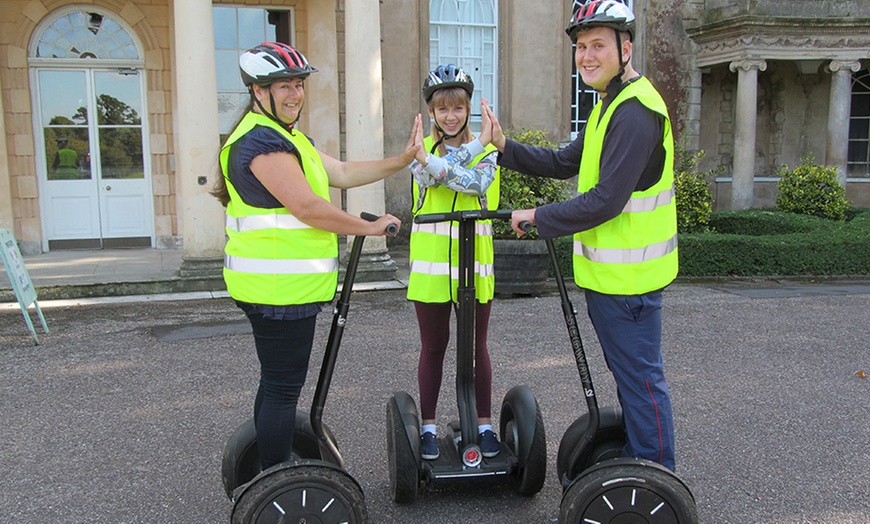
(770, 243)
(518, 191)
(811, 189)
(694, 201)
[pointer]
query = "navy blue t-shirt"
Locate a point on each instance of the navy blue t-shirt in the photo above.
(259, 141)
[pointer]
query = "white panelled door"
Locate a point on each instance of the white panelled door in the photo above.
(96, 184)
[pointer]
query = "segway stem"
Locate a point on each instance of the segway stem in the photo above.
(328, 448)
(465, 312)
(570, 315)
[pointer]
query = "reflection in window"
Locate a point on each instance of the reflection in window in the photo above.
(83, 34)
(859, 126)
(67, 152)
(237, 29)
(121, 153)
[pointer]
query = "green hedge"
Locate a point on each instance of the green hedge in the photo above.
(768, 243)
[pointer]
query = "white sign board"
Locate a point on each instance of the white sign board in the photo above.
(20, 280)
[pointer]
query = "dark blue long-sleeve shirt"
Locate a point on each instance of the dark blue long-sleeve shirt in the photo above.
(631, 160)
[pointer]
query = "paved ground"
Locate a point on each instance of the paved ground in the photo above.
(120, 415)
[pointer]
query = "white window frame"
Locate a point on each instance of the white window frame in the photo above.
(476, 50)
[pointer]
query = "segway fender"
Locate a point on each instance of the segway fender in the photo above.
(410, 419)
(522, 401)
(240, 491)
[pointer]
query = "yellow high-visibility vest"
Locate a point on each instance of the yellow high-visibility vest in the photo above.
(434, 252)
(635, 252)
(271, 257)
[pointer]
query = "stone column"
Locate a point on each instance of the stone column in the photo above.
(365, 122)
(839, 109)
(6, 216)
(743, 169)
(196, 138)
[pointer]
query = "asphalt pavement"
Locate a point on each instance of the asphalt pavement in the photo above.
(121, 413)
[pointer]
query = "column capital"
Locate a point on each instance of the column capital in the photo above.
(748, 64)
(843, 65)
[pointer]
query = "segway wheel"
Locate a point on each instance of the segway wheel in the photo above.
(403, 458)
(628, 490)
(301, 493)
(522, 430)
(241, 458)
(608, 444)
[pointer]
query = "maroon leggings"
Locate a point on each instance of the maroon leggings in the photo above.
(434, 322)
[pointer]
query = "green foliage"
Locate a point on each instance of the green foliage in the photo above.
(771, 243)
(518, 191)
(694, 201)
(811, 189)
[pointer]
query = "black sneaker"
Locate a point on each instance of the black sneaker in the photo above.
(429, 446)
(489, 445)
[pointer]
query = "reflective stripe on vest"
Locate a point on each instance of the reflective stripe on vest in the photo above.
(641, 204)
(268, 266)
(255, 222)
(442, 268)
(625, 256)
(481, 229)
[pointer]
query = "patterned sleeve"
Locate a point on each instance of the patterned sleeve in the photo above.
(458, 172)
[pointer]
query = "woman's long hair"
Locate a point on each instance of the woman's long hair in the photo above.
(219, 190)
(450, 96)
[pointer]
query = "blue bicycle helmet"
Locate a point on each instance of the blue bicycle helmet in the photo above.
(447, 76)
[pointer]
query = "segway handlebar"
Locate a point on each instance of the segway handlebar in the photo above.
(392, 229)
(460, 216)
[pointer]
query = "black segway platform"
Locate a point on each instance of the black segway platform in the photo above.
(523, 456)
(598, 484)
(313, 487)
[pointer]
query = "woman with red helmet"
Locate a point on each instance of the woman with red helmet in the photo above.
(281, 262)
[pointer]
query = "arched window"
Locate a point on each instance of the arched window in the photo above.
(859, 126)
(465, 33)
(85, 34)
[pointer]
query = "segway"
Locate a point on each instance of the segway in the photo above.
(313, 486)
(523, 456)
(598, 484)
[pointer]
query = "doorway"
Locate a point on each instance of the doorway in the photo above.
(96, 183)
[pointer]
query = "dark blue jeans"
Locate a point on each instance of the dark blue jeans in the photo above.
(629, 328)
(283, 348)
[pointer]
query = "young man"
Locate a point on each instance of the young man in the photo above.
(623, 220)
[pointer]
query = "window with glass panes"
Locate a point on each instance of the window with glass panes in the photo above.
(237, 29)
(583, 99)
(858, 165)
(465, 33)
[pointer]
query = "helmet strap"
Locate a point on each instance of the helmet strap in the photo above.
(617, 80)
(274, 114)
(445, 136)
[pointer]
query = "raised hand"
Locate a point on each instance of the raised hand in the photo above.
(485, 124)
(498, 139)
(413, 146)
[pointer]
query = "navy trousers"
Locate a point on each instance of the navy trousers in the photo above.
(283, 348)
(629, 328)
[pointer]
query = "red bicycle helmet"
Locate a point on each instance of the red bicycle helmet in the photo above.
(601, 13)
(273, 61)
